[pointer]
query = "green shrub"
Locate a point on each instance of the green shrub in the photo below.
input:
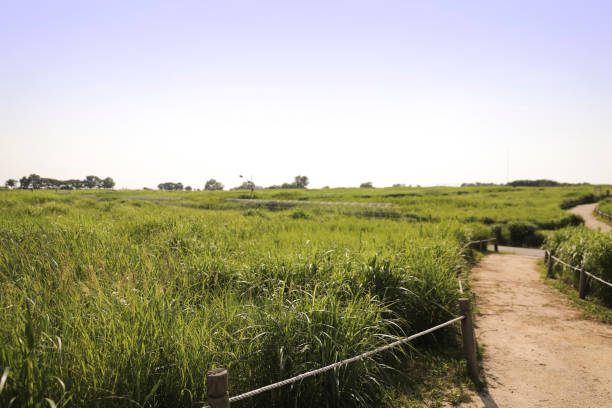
(588, 249)
(524, 234)
(572, 202)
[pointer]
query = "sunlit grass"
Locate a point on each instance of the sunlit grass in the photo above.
(128, 298)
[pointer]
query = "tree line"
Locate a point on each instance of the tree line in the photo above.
(212, 185)
(527, 183)
(36, 182)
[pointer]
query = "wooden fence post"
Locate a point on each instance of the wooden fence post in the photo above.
(467, 335)
(480, 245)
(550, 263)
(216, 388)
(582, 284)
(546, 256)
(495, 244)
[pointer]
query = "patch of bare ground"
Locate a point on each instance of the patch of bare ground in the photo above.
(538, 352)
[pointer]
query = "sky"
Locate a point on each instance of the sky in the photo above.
(344, 92)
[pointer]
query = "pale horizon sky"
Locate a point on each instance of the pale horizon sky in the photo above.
(343, 92)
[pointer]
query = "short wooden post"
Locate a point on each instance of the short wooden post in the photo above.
(495, 245)
(480, 245)
(582, 284)
(467, 335)
(550, 264)
(546, 256)
(216, 388)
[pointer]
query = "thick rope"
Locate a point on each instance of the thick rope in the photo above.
(311, 373)
(565, 263)
(598, 279)
(578, 269)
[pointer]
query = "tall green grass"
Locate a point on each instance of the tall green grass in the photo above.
(606, 206)
(123, 302)
(588, 249)
(127, 298)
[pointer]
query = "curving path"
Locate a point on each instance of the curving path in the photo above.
(586, 212)
(538, 351)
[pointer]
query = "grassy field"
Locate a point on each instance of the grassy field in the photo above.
(588, 249)
(606, 206)
(126, 298)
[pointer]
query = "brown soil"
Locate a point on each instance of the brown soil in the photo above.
(538, 352)
(586, 211)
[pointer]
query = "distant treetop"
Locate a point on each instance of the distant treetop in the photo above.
(170, 186)
(213, 184)
(298, 182)
(35, 182)
(542, 183)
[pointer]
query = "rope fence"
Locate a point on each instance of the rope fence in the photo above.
(480, 243)
(550, 256)
(603, 214)
(217, 379)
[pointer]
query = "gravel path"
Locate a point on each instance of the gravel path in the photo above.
(586, 211)
(538, 351)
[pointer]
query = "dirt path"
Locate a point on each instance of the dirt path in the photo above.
(586, 211)
(538, 352)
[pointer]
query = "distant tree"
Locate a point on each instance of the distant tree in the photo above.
(24, 182)
(108, 183)
(399, 185)
(298, 182)
(301, 181)
(169, 186)
(367, 184)
(73, 184)
(536, 183)
(213, 184)
(35, 181)
(10, 183)
(188, 188)
(92, 182)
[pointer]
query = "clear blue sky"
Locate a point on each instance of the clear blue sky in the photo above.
(423, 92)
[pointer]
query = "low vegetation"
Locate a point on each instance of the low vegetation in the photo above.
(110, 303)
(606, 206)
(126, 298)
(588, 249)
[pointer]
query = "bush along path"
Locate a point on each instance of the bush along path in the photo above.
(537, 350)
